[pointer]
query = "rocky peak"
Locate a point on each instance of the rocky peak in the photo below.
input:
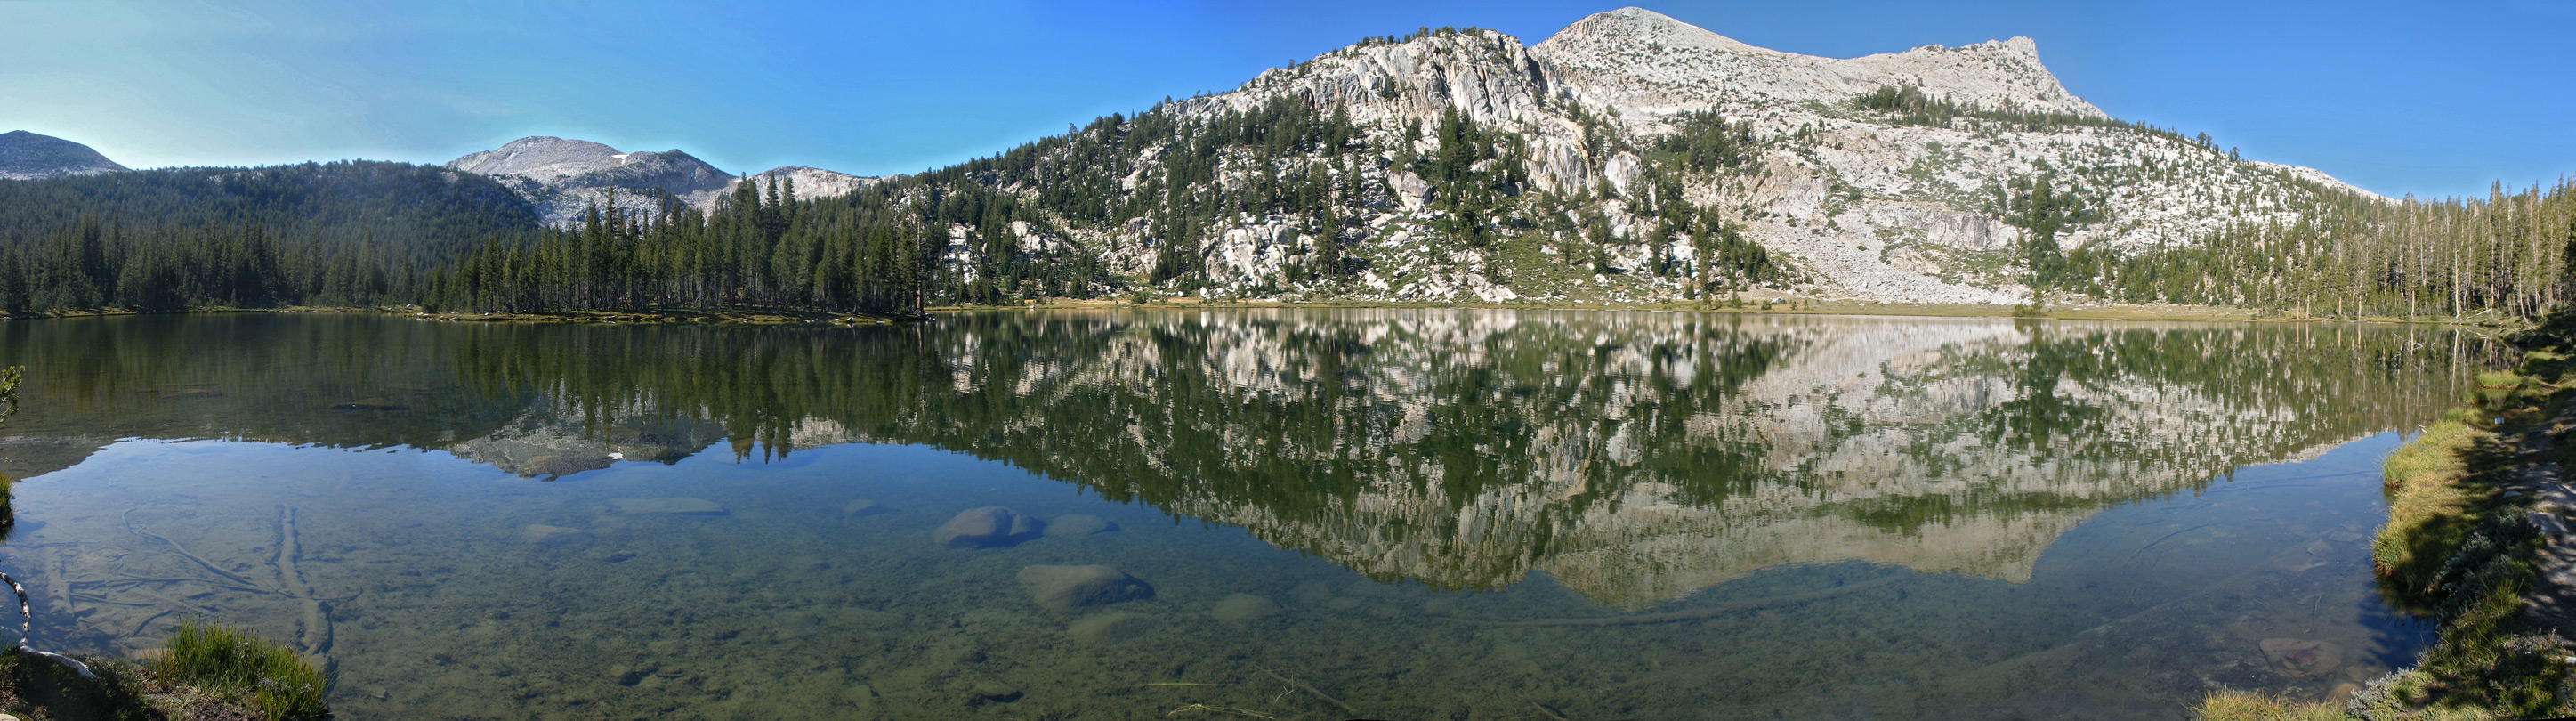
(1639, 60)
(1642, 29)
(1993, 74)
(1487, 75)
(27, 156)
(542, 158)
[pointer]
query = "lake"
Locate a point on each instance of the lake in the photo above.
(1395, 514)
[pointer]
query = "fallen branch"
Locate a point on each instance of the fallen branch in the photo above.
(27, 629)
(1346, 708)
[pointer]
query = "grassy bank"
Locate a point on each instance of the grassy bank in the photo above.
(2462, 548)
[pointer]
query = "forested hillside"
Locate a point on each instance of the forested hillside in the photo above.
(351, 232)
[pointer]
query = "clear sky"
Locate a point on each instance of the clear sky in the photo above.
(2423, 98)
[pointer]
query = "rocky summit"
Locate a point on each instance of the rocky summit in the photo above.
(28, 156)
(564, 177)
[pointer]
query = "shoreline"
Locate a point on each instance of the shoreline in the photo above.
(2478, 541)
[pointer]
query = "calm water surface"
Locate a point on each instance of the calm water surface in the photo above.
(1390, 514)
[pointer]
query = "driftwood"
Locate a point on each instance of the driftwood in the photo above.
(183, 551)
(314, 635)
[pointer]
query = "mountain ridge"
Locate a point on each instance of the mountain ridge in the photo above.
(1861, 201)
(1629, 158)
(564, 177)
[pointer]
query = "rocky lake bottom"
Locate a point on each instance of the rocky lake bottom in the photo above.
(816, 586)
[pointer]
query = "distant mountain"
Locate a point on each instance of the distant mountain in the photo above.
(28, 156)
(564, 177)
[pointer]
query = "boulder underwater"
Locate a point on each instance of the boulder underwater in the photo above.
(1065, 588)
(988, 527)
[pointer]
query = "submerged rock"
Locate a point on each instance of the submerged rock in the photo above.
(1244, 607)
(864, 507)
(1076, 526)
(996, 691)
(1312, 592)
(988, 527)
(795, 624)
(1064, 588)
(675, 505)
(372, 404)
(555, 537)
(2301, 658)
(1109, 628)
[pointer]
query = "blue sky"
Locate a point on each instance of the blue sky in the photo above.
(2431, 99)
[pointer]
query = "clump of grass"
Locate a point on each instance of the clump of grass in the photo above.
(232, 663)
(2232, 705)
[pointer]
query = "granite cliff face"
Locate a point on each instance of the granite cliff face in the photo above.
(28, 156)
(1859, 202)
(564, 177)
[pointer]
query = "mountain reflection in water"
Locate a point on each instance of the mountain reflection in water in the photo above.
(1506, 478)
(1634, 456)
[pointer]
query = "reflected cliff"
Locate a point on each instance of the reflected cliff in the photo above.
(1634, 457)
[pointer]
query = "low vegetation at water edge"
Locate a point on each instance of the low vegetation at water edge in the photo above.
(233, 663)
